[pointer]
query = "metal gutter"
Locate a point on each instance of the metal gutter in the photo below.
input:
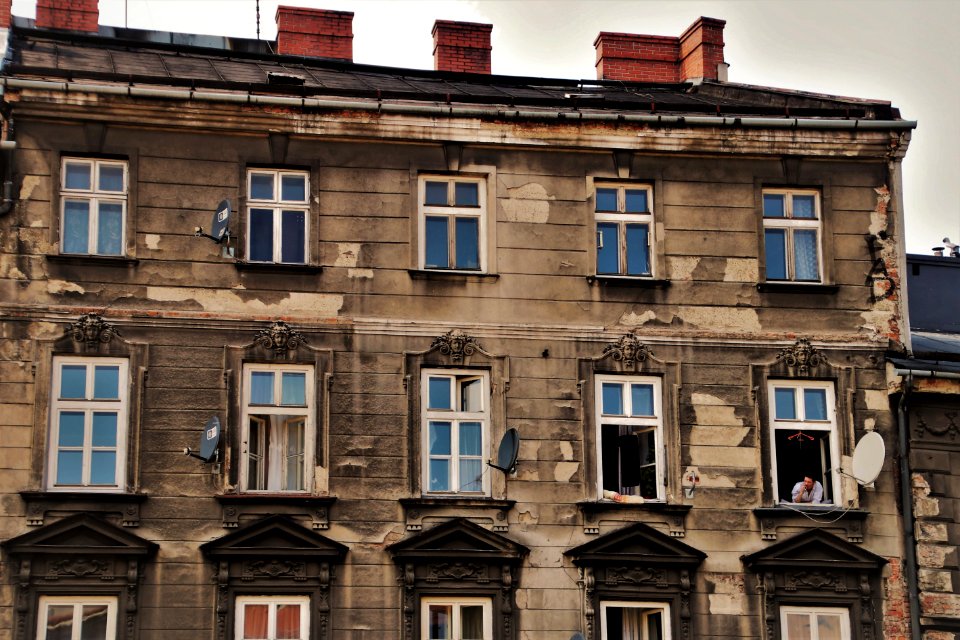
(454, 111)
(927, 373)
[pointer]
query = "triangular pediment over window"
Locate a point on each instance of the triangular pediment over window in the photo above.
(274, 536)
(636, 544)
(458, 538)
(814, 548)
(80, 534)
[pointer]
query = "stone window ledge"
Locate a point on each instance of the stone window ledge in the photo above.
(274, 267)
(796, 287)
(92, 260)
(637, 282)
(772, 517)
(674, 515)
(452, 276)
(236, 505)
(39, 503)
(416, 509)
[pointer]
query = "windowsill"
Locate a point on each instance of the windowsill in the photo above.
(796, 287)
(785, 510)
(100, 261)
(639, 282)
(452, 276)
(457, 501)
(416, 509)
(54, 495)
(39, 502)
(277, 267)
(772, 517)
(274, 498)
(594, 506)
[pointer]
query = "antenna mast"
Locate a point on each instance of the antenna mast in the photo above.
(258, 19)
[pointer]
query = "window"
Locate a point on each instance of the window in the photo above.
(629, 432)
(452, 223)
(624, 230)
(93, 200)
(456, 619)
(456, 428)
(635, 621)
(814, 623)
(88, 424)
(803, 425)
(77, 618)
(277, 220)
(791, 235)
(278, 419)
(272, 618)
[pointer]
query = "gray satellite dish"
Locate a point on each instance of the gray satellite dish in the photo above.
(577, 636)
(209, 440)
(868, 458)
(219, 225)
(507, 452)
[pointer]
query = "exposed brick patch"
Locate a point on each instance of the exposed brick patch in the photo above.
(68, 15)
(896, 604)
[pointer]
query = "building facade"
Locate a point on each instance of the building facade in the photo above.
(674, 292)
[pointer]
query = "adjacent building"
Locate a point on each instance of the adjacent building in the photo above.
(674, 292)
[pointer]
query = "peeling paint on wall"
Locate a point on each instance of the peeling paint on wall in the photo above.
(55, 287)
(721, 318)
(681, 268)
(633, 320)
(564, 471)
(566, 449)
(727, 596)
(876, 400)
(152, 240)
(317, 305)
(741, 270)
(360, 273)
(527, 203)
(711, 410)
(27, 187)
(347, 254)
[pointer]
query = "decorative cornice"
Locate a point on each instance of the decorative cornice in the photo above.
(628, 350)
(92, 329)
(279, 338)
(802, 356)
(457, 345)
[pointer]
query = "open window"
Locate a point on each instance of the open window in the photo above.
(452, 223)
(629, 422)
(626, 620)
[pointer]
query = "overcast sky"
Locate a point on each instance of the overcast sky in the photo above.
(904, 51)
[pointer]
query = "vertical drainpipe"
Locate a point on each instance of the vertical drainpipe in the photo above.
(906, 499)
(7, 145)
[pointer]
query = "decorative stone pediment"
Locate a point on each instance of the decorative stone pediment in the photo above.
(459, 539)
(812, 549)
(80, 534)
(636, 544)
(274, 537)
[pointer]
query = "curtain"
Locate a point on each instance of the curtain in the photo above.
(255, 621)
(632, 624)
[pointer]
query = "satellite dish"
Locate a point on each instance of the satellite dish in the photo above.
(868, 458)
(577, 636)
(219, 225)
(507, 452)
(209, 440)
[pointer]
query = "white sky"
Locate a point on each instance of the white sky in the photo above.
(904, 51)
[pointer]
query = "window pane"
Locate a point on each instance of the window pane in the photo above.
(106, 382)
(59, 622)
(828, 627)
(437, 251)
(471, 622)
(439, 622)
(439, 475)
(785, 403)
(94, 624)
(642, 399)
(76, 226)
(293, 232)
(815, 404)
(111, 178)
(606, 199)
(436, 194)
(71, 429)
(73, 381)
(638, 254)
(466, 194)
(612, 399)
(103, 467)
(288, 621)
(439, 393)
(77, 176)
(109, 229)
(467, 243)
(104, 429)
(471, 398)
(261, 186)
(471, 475)
(293, 389)
(255, 621)
(295, 448)
(257, 428)
(471, 438)
(636, 201)
(608, 247)
(798, 626)
(293, 188)
(775, 246)
(440, 439)
(805, 254)
(69, 467)
(261, 387)
(804, 207)
(773, 205)
(261, 235)
(655, 626)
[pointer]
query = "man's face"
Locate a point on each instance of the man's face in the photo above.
(808, 483)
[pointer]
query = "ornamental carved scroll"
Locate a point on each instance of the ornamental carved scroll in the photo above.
(280, 338)
(91, 329)
(457, 345)
(628, 350)
(802, 356)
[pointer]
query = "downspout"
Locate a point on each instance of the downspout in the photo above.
(906, 499)
(7, 146)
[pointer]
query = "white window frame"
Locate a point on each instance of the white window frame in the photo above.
(655, 422)
(451, 212)
(663, 607)
(790, 225)
(277, 205)
(272, 602)
(88, 407)
(94, 196)
(455, 604)
(455, 417)
(801, 423)
(622, 219)
(309, 412)
(841, 612)
(77, 602)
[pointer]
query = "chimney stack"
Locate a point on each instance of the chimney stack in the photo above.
(698, 53)
(461, 46)
(5, 17)
(68, 15)
(317, 33)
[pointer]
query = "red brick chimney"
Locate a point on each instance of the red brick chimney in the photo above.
(317, 33)
(461, 46)
(69, 15)
(5, 17)
(698, 53)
